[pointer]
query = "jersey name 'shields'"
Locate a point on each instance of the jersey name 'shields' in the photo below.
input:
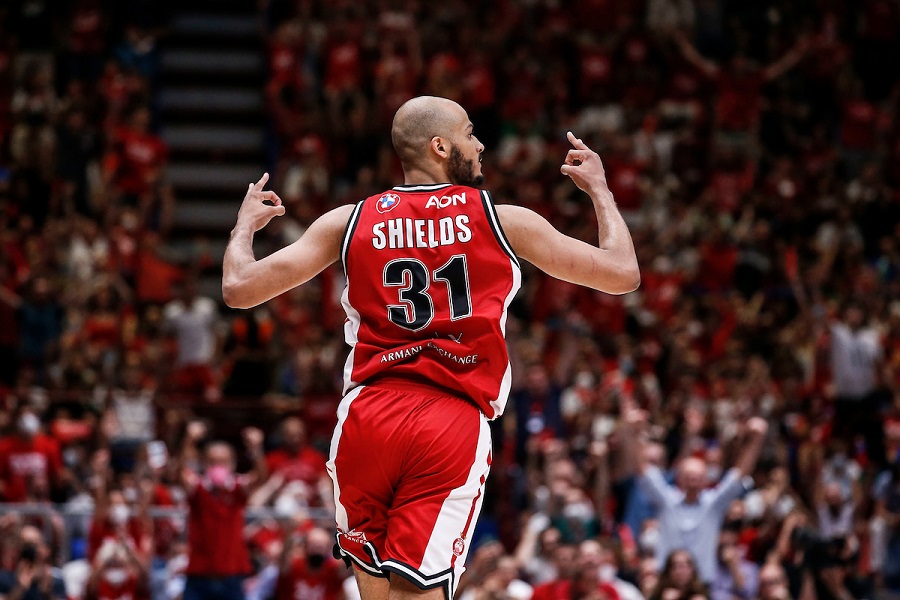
(424, 233)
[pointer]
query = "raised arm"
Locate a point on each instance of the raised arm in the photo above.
(690, 53)
(247, 282)
(612, 267)
(757, 428)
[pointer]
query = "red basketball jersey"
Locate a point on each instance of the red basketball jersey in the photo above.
(430, 277)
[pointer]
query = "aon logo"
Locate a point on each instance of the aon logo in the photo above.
(445, 201)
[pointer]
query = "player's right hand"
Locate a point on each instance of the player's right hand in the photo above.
(584, 167)
(253, 212)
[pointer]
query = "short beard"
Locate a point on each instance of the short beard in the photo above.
(462, 171)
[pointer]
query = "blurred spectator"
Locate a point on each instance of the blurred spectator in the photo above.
(773, 584)
(30, 461)
(736, 577)
(130, 419)
(602, 559)
(690, 515)
(40, 324)
(299, 468)
(856, 356)
(117, 574)
(135, 164)
(680, 579)
(32, 575)
(308, 569)
(193, 320)
(216, 499)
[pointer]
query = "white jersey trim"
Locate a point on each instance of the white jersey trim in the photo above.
(420, 188)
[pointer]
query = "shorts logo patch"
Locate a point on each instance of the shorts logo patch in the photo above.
(356, 536)
(387, 202)
(459, 546)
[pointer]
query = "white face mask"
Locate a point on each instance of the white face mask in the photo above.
(649, 540)
(115, 576)
(606, 573)
(29, 424)
(119, 514)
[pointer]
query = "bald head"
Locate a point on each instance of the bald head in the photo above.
(691, 477)
(419, 121)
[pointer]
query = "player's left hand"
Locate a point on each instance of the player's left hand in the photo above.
(254, 212)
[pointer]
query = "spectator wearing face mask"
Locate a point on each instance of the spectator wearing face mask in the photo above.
(308, 570)
(32, 577)
(118, 573)
(601, 556)
(218, 559)
(28, 457)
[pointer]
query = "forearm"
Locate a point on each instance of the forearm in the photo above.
(746, 462)
(238, 260)
(612, 231)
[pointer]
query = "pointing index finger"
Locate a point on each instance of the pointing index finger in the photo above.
(262, 181)
(576, 141)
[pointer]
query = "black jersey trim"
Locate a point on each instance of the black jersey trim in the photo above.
(348, 233)
(421, 188)
(494, 222)
(444, 579)
(349, 558)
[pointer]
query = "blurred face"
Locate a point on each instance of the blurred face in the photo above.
(772, 583)
(318, 542)
(681, 569)
(219, 455)
(31, 536)
(293, 433)
(565, 560)
(854, 317)
(550, 541)
(692, 477)
(590, 554)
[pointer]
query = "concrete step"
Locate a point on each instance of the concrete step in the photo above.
(231, 179)
(212, 137)
(215, 25)
(206, 214)
(211, 99)
(236, 62)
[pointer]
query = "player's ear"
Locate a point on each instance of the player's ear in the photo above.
(440, 147)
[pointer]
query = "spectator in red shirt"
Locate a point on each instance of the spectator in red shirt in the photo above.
(218, 559)
(135, 164)
(740, 85)
(296, 460)
(308, 569)
(28, 457)
(118, 574)
(118, 521)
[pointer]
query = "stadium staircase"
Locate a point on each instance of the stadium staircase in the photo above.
(212, 115)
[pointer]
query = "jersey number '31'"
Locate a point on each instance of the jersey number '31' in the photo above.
(412, 276)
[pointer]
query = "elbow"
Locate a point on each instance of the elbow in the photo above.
(233, 295)
(627, 281)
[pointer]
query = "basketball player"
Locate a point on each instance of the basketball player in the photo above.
(431, 268)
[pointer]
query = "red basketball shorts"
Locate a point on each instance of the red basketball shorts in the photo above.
(409, 468)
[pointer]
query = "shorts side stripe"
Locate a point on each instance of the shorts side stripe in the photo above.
(342, 412)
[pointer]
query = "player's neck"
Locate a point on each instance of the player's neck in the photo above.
(420, 176)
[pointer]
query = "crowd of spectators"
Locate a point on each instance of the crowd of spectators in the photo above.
(754, 148)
